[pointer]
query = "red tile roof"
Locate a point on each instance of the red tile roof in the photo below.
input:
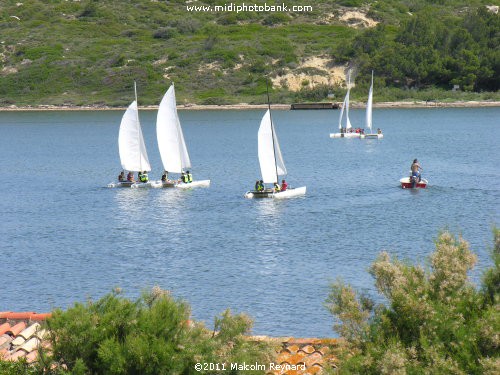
(303, 356)
(20, 335)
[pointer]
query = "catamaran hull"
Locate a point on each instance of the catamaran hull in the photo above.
(289, 193)
(163, 184)
(372, 136)
(406, 183)
(345, 135)
(142, 185)
(123, 184)
(194, 184)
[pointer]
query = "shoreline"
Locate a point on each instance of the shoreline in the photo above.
(244, 106)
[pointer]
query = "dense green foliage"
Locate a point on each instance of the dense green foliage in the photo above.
(432, 49)
(17, 368)
(152, 335)
(89, 52)
(435, 322)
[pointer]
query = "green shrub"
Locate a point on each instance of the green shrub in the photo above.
(165, 33)
(152, 335)
(435, 320)
(17, 368)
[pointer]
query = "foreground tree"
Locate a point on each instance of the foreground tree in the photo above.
(435, 320)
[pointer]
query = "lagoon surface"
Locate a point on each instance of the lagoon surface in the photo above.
(66, 237)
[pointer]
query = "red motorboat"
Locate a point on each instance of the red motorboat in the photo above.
(413, 183)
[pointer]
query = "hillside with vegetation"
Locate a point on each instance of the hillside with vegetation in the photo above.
(88, 52)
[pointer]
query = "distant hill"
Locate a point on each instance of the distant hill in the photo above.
(89, 52)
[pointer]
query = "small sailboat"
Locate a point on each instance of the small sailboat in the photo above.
(347, 131)
(271, 162)
(369, 107)
(131, 147)
(173, 150)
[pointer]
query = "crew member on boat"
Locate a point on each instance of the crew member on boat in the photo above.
(284, 185)
(130, 177)
(164, 176)
(276, 187)
(143, 177)
(379, 131)
(260, 187)
(415, 170)
(121, 176)
(189, 177)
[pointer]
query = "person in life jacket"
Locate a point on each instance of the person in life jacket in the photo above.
(164, 176)
(183, 177)
(130, 177)
(284, 185)
(143, 177)
(121, 176)
(256, 187)
(189, 177)
(276, 187)
(260, 187)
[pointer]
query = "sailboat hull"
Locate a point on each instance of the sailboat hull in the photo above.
(142, 185)
(122, 184)
(289, 193)
(345, 135)
(372, 136)
(194, 184)
(163, 184)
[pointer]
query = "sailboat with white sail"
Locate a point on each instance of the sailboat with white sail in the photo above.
(369, 121)
(271, 163)
(345, 132)
(131, 147)
(173, 150)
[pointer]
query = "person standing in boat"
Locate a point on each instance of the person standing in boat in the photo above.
(121, 176)
(415, 170)
(284, 185)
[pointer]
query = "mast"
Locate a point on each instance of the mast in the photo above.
(272, 129)
(137, 118)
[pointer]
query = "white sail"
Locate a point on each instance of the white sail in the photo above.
(133, 155)
(345, 105)
(173, 150)
(270, 158)
(369, 105)
(342, 113)
(348, 122)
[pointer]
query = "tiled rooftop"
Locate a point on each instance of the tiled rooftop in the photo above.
(21, 335)
(302, 356)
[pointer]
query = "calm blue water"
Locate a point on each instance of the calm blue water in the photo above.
(66, 237)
